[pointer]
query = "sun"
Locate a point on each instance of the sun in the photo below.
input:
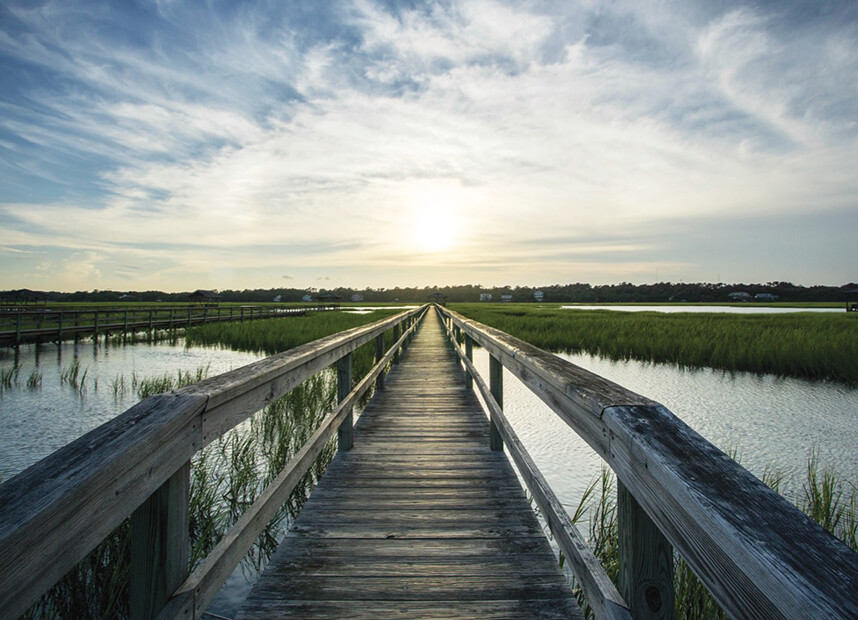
(434, 231)
(434, 217)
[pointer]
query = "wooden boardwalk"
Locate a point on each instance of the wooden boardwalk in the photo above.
(420, 519)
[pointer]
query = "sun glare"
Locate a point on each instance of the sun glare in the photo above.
(435, 225)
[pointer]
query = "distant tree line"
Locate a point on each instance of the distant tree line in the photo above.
(577, 292)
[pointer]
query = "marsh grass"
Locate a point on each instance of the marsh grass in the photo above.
(825, 496)
(808, 345)
(8, 377)
(272, 336)
(34, 381)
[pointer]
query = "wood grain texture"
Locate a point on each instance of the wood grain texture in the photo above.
(420, 519)
(757, 554)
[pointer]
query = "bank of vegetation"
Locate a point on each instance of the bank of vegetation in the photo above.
(807, 345)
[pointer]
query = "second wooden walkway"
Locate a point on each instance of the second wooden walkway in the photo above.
(420, 519)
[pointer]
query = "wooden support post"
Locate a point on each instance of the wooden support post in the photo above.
(124, 322)
(60, 328)
(171, 319)
(18, 328)
(646, 561)
(379, 353)
(241, 314)
(396, 336)
(159, 546)
(469, 353)
(95, 327)
(496, 388)
(345, 433)
(189, 315)
(151, 321)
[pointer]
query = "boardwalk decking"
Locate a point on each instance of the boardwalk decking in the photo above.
(420, 519)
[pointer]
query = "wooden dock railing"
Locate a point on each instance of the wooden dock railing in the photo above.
(758, 555)
(20, 325)
(54, 513)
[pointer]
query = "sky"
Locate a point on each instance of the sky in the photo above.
(178, 145)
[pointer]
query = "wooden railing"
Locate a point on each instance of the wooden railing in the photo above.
(21, 325)
(55, 512)
(757, 554)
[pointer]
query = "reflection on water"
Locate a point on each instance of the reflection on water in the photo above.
(36, 422)
(771, 422)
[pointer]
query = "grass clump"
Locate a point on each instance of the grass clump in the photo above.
(808, 345)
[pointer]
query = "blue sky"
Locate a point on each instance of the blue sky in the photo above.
(179, 145)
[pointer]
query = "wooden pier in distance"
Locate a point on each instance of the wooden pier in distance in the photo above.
(420, 519)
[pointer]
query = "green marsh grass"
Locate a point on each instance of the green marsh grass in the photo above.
(807, 345)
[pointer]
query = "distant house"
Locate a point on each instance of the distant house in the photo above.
(485, 296)
(357, 297)
(277, 299)
(201, 296)
(307, 298)
(765, 297)
(506, 298)
(538, 295)
(739, 296)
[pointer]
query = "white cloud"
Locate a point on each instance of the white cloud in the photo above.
(519, 116)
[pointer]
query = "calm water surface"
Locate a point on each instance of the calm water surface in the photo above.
(36, 422)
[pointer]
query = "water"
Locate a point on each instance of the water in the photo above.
(771, 422)
(369, 309)
(36, 422)
(724, 309)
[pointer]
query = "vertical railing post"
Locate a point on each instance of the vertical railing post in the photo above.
(18, 327)
(60, 328)
(379, 353)
(171, 319)
(189, 315)
(95, 327)
(151, 321)
(496, 388)
(397, 334)
(159, 546)
(125, 322)
(646, 561)
(345, 432)
(469, 353)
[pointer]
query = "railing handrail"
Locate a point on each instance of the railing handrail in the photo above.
(756, 553)
(56, 511)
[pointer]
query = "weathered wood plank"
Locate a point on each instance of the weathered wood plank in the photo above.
(756, 553)
(420, 512)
